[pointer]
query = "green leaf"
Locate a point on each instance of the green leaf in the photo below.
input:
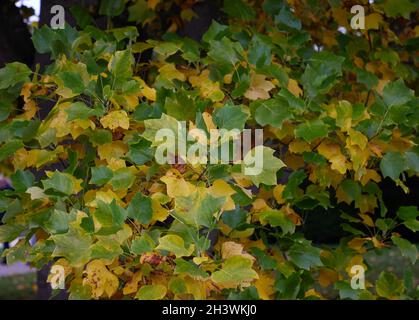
(100, 175)
(393, 8)
(234, 218)
(198, 208)
(408, 249)
(320, 75)
(304, 255)
(140, 208)
(265, 260)
(396, 93)
(111, 8)
(58, 222)
(109, 218)
(139, 12)
(72, 80)
(151, 292)
(389, 286)
(14, 73)
(260, 51)
(392, 165)
(189, 268)
(9, 148)
(142, 244)
(73, 245)
(408, 213)
(152, 126)
(9, 232)
(311, 130)
(100, 136)
(140, 152)
(412, 160)
(22, 180)
(43, 39)
(273, 112)
(121, 65)
(122, 178)
(235, 270)
(276, 218)
(287, 18)
(225, 53)
(216, 31)
(352, 189)
(260, 165)
(238, 9)
(175, 245)
(230, 117)
(106, 248)
(60, 182)
(79, 110)
(82, 15)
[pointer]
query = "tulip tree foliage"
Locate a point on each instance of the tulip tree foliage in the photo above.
(338, 113)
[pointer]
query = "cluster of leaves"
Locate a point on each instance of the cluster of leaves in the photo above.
(338, 116)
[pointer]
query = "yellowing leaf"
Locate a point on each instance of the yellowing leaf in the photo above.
(100, 279)
(114, 149)
(236, 270)
(208, 88)
(132, 285)
(299, 146)
(370, 174)
(151, 292)
(265, 286)
(115, 119)
(177, 187)
(259, 87)
(294, 88)
(176, 245)
(169, 72)
(373, 21)
(231, 249)
(220, 188)
(277, 192)
(358, 244)
(327, 277)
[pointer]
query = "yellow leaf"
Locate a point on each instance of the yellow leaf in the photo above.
(114, 149)
(220, 188)
(115, 119)
(277, 192)
(207, 88)
(356, 138)
(177, 187)
(373, 21)
(30, 110)
(146, 91)
(355, 260)
(209, 123)
(132, 285)
(327, 277)
(259, 87)
(231, 249)
(100, 279)
(265, 286)
(299, 146)
(366, 219)
(294, 88)
(339, 163)
(312, 293)
(370, 175)
(358, 244)
(169, 72)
